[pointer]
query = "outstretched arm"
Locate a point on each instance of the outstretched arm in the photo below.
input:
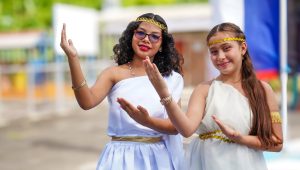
(186, 124)
(140, 115)
(85, 96)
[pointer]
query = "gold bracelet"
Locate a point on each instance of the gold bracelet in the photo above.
(166, 100)
(79, 87)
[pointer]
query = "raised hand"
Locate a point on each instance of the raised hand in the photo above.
(139, 114)
(156, 78)
(67, 46)
(226, 130)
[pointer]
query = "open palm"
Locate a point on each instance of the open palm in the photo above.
(227, 130)
(67, 46)
(139, 114)
(156, 78)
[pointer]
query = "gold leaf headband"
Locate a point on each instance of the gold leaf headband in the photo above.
(226, 39)
(152, 21)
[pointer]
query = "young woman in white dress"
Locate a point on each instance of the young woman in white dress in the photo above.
(235, 115)
(133, 146)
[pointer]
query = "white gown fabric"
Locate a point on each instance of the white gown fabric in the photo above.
(125, 155)
(231, 107)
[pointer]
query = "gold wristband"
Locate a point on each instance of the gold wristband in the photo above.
(166, 100)
(79, 87)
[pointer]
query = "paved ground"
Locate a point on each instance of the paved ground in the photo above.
(58, 143)
(70, 142)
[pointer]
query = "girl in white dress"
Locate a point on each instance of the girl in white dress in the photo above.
(235, 115)
(133, 146)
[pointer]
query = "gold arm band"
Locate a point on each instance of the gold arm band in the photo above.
(137, 139)
(80, 86)
(276, 118)
(215, 135)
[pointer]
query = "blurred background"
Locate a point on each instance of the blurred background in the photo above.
(41, 124)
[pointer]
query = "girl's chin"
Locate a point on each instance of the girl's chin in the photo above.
(143, 56)
(226, 71)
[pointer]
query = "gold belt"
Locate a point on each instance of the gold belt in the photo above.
(137, 139)
(215, 135)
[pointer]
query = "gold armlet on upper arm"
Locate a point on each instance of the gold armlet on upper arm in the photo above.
(276, 118)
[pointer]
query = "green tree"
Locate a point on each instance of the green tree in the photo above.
(191, 1)
(146, 2)
(37, 14)
(157, 2)
(33, 14)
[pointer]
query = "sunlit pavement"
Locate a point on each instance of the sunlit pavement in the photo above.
(287, 159)
(70, 142)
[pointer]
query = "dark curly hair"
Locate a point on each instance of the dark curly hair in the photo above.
(167, 60)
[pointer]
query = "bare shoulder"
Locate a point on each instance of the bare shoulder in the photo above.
(267, 87)
(271, 96)
(203, 88)
(109, 71)
(117, 72)
(204, 85)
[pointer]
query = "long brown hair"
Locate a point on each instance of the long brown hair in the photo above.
(254, 90)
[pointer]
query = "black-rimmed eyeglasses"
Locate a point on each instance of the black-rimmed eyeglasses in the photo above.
(153, 38)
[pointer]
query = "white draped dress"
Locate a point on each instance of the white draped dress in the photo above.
(215, 151)
(126, 155)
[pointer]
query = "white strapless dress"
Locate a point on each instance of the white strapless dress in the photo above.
(125, 155)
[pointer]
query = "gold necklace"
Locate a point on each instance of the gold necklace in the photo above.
(130, 69)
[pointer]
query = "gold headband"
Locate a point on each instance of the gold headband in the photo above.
(226, 39)
(152, 21)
